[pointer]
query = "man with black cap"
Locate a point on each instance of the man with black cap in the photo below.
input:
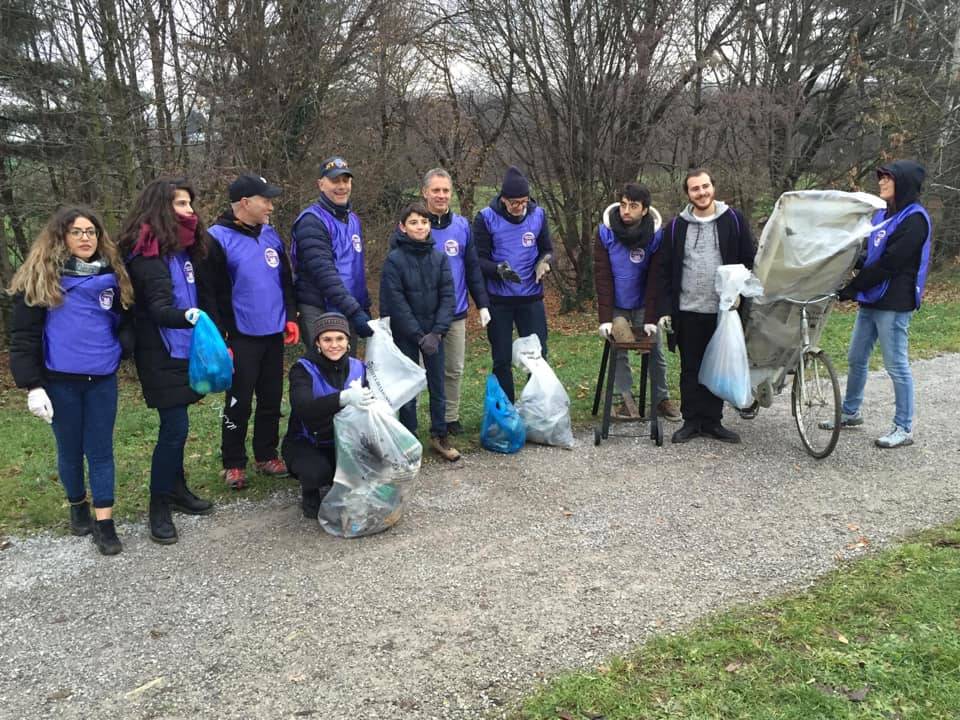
(327, 250)
(257, 313)
(513, 242)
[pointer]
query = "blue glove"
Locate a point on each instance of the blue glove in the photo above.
(361, 323)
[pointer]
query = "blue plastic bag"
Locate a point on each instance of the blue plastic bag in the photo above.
(502, 429)
(211, 367)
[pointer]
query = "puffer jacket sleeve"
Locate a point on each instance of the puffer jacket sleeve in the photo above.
(393, 299)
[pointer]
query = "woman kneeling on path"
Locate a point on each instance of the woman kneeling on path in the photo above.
(65, 347)
(322, 382)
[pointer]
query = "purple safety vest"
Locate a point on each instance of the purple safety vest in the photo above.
(80, 336)
(321, 387)
(517, 244)
(452, 241)
(184, 286)
(629, 267)
(877, 243)
(254, 268)
(347, 241)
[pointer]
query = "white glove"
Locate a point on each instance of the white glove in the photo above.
(605, 329)
(192, 315)
(484, 317)
(543, 267)
(38, 402)
(649, 329)
(356, 396)
(666, 323)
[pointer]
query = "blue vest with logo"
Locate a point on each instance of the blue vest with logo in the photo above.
(517, 244)
(347, 241)
(80, 336)
(877, 243)
(629, 267)
(254, 267)
(321, 387)
(452, 241)
(184, 285)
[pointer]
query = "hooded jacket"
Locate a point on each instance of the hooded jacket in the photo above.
(900, 261)
(633, 237)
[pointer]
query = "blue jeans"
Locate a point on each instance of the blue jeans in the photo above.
(84, 412)
(890, 327)
(433, 364)
(167, 462)
(530, 318)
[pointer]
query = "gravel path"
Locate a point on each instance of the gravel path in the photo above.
(504, 569)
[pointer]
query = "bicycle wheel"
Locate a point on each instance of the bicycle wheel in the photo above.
(816, 403)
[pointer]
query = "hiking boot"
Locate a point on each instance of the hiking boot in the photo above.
(441, 446)
(274, 468)
(622, 331)
(687, 432)
(719, 432)
(749, 413)
(454, 427)
(80, 521)
(105, 537)
(846, 421)
(235, 478)
(897, 437)
(668, 410)
(162, 529)
(183, 500)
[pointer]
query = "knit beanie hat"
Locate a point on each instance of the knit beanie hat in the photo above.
(515, 185)
(330, 321)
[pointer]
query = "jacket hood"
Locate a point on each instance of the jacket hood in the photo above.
(500, 209)
(402, 241)
(653, 212)
(908, 177)
(687, 214)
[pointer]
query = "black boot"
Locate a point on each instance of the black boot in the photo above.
(687, 432)
(105, 538)
(183, 500)
(80, 521)
(162, 529)
(310, 503)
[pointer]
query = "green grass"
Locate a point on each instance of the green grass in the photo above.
(877, 639)
(31, 496)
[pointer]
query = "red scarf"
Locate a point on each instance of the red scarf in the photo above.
(148, 244)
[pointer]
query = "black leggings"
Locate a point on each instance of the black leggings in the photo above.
(312, 466)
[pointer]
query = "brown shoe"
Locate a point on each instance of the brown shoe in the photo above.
(441, 446)
(622, 331)
(669, 411)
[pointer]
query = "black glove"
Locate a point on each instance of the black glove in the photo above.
(361, 323)
(430, 343)
(507, 273)
(847, 293)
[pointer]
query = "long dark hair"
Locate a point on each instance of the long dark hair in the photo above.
(154, 207)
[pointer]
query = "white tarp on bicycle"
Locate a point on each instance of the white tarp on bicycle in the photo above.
(808, 248)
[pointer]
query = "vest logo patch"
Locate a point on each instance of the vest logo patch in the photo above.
(272, 258)
(188, 272)
(637, 255)
(528, 239)
(106, 299)
(357, 243)
(881, 234)
(451, 247)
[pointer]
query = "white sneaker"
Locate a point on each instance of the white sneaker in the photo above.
(897, 437)
(845, 421)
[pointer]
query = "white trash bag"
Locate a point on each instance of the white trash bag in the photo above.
(544, 405)
(392, 376)
(725, 369)
(377, 461)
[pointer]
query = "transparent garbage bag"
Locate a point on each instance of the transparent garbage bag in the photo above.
(377, 461)
(544, 405)
(210, 367)
(392, 376)
(725, 369)
(502, 429)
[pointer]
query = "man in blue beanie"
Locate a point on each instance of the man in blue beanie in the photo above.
(513, 242)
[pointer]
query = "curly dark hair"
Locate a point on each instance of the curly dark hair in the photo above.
(154, 207)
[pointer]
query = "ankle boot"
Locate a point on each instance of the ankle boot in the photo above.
(183, 500)
(162, 529)
(105, 537)
(80, 521)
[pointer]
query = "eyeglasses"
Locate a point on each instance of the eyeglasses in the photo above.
(519, 203)
(77, 233)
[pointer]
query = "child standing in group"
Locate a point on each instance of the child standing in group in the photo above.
(164, 243)
(416, 292)
(68, 335)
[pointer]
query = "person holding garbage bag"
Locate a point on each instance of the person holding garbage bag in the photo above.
(324, 381)
(417, 294)
(705, 235)
(889, 288)
(164, 243)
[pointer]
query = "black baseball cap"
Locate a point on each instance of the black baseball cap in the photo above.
(248, 185)
(334, 167)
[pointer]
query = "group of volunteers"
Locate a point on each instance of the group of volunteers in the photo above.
(82, 301)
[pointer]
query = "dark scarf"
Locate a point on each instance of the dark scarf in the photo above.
(335, 372)
(76, 267)
(148, 244)
(637, 235)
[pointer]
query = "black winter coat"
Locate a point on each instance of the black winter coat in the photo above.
(163, 378)
(416, 288)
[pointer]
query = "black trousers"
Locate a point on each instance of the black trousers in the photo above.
(529, 318)
(313, 466)
(258, 368)
(697, 404)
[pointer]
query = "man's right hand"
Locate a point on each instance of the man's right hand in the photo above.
(605, 329)
(361, 323)
(507, 273)
(666, 323)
